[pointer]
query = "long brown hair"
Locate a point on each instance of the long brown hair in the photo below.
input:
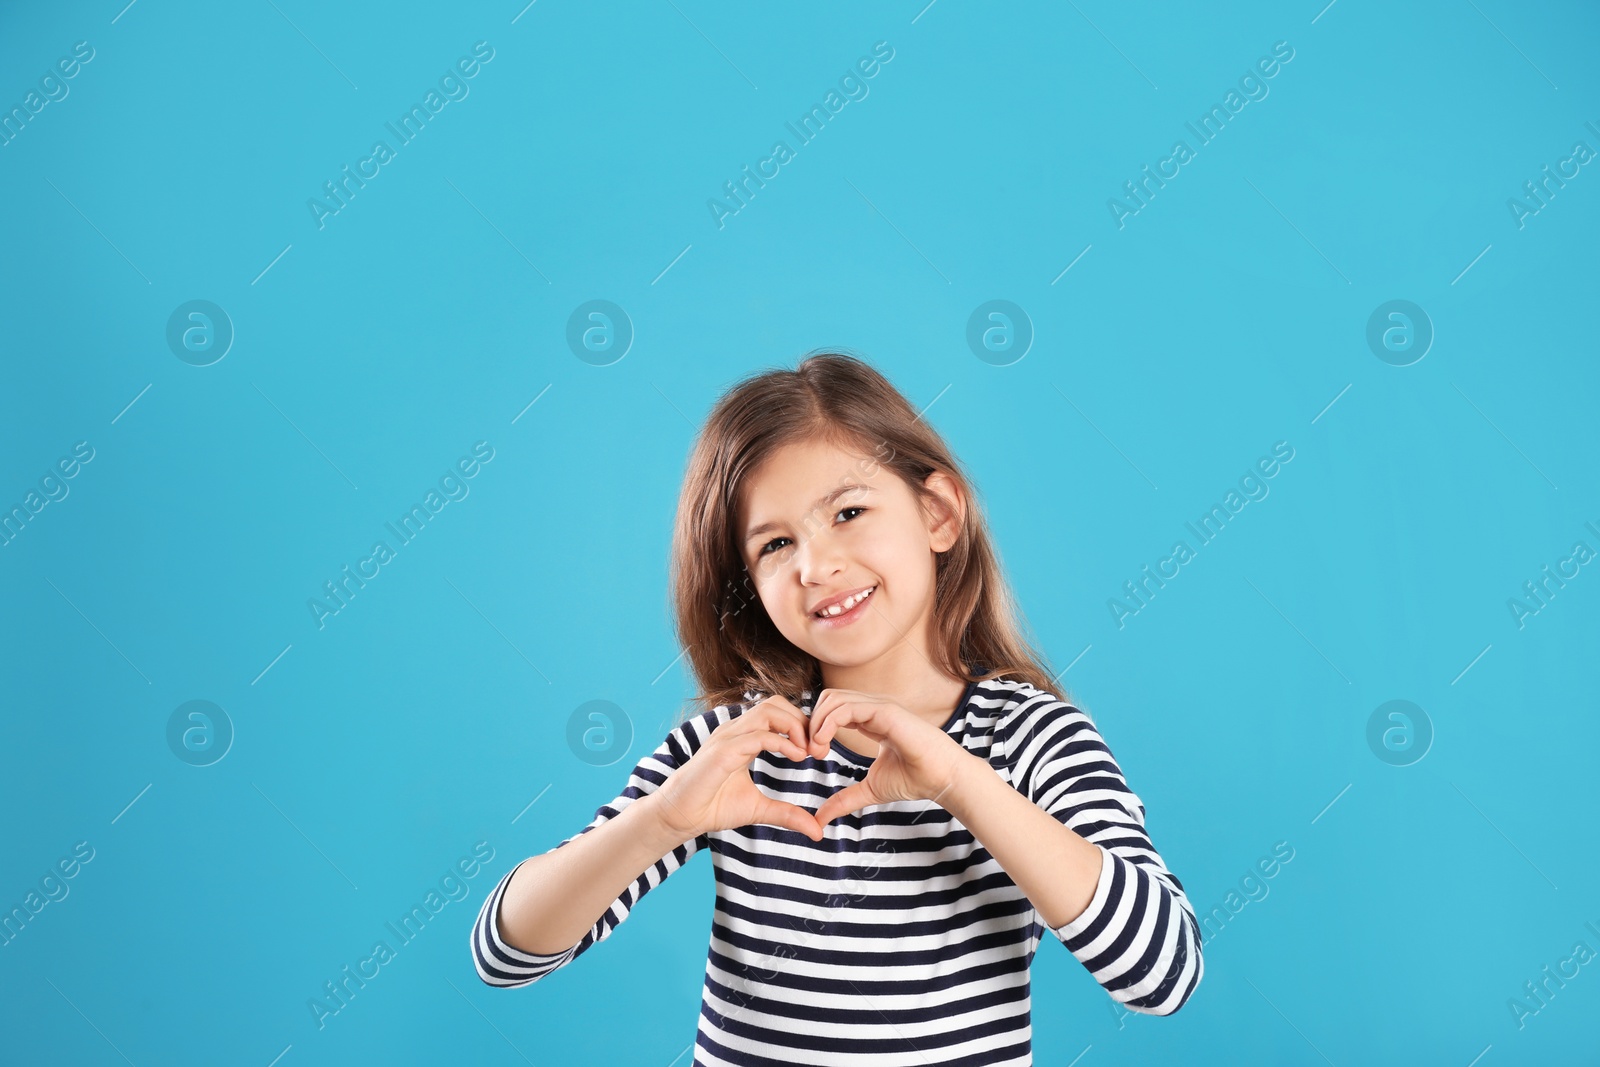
(732, 645)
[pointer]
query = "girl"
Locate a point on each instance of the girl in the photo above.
(896, 804)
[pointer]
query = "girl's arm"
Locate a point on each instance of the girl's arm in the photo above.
(1070, 833)
(551, 908)
(552, 900)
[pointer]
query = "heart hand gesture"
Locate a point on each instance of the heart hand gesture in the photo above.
(915, 761)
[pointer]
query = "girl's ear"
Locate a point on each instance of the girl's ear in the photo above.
(948, 510)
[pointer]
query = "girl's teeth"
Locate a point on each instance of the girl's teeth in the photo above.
(844, 606)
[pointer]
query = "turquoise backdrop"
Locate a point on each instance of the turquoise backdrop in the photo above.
(241, 343)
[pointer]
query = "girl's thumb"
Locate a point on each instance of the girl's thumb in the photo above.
(800, 820)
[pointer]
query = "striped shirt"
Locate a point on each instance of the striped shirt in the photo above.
(897, 939)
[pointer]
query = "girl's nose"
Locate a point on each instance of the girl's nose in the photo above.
(818, 557)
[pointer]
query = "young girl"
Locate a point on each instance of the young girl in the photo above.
(896, 805)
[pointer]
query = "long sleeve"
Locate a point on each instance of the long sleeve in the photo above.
(1138, 937)
(499, 964)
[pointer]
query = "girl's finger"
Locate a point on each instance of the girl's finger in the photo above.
(814, 727)
(795, 729)
(790, 817)
(837, 714)
(785, 718)
(796, 725)
(770, 741)
(851, 798)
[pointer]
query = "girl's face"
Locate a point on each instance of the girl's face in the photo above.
(820, 523)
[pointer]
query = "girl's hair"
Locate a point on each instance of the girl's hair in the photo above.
(732, 644)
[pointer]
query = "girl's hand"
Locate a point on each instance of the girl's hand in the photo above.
(915, 761)
(713, 791)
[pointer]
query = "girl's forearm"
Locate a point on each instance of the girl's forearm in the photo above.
(555, 898)
(1053, 866)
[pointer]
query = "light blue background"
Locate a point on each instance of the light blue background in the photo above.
(431, 712)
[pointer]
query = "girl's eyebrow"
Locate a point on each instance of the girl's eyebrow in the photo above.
(828, 498)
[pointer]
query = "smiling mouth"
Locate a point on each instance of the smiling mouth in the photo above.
(847, 609)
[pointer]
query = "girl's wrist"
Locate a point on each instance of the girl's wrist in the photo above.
(663, 825)
(969, 773)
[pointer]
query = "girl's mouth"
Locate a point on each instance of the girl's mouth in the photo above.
(844, 618)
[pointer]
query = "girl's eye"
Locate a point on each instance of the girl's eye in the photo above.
(768, 546)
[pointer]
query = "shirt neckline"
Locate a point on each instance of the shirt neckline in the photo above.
(851, 756)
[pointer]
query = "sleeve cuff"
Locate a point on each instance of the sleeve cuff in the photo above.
(491, 925)
(1097, 903)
